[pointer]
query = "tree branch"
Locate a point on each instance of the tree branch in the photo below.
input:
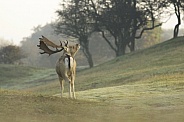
(103, 35)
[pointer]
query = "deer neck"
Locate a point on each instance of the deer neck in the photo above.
(66, 53)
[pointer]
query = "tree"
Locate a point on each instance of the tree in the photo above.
(111, 17)
(75, 21)
(10, 54)
(177, 6)
(149, 38)
(125, 20)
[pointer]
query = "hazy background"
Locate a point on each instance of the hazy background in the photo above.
(19, 17)
(23, 22)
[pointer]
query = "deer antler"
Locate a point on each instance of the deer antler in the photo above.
(49, 43)
(43, 46)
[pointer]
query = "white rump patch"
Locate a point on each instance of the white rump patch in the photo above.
(67, 64)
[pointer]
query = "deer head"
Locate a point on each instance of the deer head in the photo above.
(74, 49)
(70, 50)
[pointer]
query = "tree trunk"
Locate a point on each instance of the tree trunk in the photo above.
(176, 31)
(88, 56)
(132, 45)
(120, 51)
(177, 12)
(121, 47)
(85, 44)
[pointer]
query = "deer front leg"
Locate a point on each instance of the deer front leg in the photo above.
(73, 90)
(68, 80)
(70, 89)
(61, 85)
(73, 87)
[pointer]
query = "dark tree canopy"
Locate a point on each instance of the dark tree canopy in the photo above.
(10, 54)
(124, 20)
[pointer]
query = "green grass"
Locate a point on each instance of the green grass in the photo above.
(24, 107)
(135, 107)
(161, 61)
(144, 86)
(23, 77)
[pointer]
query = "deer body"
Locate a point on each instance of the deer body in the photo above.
(66, 64)
(66, 70)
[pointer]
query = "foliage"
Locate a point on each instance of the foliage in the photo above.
(83, 17)
(10, 54)
(150, 38)
(139, 17)
(4, 42)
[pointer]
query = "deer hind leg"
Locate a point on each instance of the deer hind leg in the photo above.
(61, 85)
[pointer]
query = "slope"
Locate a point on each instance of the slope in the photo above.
(143, 86)
(23, 77)
(161, 62)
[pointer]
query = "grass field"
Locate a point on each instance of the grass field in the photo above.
(144, 86)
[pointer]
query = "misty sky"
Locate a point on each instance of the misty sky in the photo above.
(18, 17)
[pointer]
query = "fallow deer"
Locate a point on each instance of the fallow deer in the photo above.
(66, 65)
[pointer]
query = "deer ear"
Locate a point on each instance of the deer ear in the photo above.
(78, 46)
(66, 43)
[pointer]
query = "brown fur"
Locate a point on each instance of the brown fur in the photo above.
(73, 49)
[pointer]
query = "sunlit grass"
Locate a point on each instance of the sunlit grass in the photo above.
(143, 86)
(160, 60)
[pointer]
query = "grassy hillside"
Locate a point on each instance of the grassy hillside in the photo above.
(162, 62)
(144, 86)
(23, 77)
(24, 107)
